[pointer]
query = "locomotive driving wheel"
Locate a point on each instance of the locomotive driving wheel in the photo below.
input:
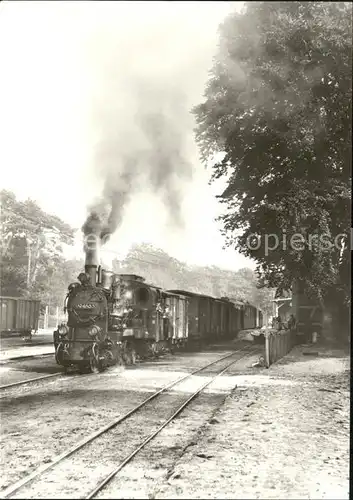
(110, 353)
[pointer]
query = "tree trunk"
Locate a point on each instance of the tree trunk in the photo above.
(344, 319)
(336, 323)
(328, 326)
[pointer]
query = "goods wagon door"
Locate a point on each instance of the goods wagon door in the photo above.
(226, 320)
(7, 313)
(211, 315)
(193, 317)
(182, 318)
(205, 318)
(252, 317)
(178, 316)
(27, 314)
(242, 318)
(214, 314)
(238, 323)
(246, 318)
(236, 320)
(217, 318)
(221, 319)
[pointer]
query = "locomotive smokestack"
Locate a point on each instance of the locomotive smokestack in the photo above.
(92, 230)
(92, 256)
(92, 260)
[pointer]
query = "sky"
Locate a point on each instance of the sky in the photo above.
(66, 70)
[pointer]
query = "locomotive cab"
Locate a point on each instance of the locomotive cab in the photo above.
(135, 302)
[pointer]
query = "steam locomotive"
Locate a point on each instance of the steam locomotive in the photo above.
(112, 318)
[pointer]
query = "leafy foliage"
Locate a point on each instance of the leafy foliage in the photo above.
(32, 261)
(278, 105)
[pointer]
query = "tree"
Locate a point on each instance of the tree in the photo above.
(278, 106)
(31, 247)
(54, 278)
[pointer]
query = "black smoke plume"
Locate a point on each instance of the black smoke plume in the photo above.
(150, 70)
(156, 159)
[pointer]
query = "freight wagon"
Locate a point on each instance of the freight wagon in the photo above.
(18, 316)
(209, 318)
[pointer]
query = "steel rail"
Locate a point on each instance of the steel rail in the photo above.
(29, 381)
(27, 356)
(7, 492)
(117, 469)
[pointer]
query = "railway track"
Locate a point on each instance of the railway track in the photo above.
(98, 438)
(31, 381)
(15, 359)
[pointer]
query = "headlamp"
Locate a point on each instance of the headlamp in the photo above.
(128, 294)
(94, 331)
(63, 330)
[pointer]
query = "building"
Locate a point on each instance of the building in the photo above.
(282, 307)
(307, 312)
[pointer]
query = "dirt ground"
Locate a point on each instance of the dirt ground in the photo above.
(283, 433)
(9, 353)
(14, 345)
(253, 433)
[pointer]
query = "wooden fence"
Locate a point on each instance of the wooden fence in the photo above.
(278, 343)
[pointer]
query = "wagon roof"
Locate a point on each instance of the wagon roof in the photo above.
(19, 298)
(193, 294)
(190, 294)
(238, 302)
(176, 293)
(181, 292)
